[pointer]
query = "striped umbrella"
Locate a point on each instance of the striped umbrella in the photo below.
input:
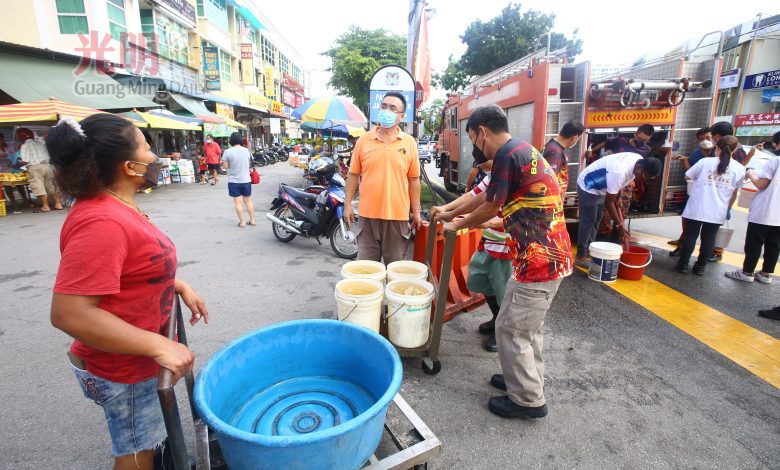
(51, 110)
(329, 111)
(155, 121)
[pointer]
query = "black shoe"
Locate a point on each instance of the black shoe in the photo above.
(497, 381)
(772, 314)
(699, 270)
(488, 327)
(715, 258)
(506, 408)
(675, 253)
(490, 344)
(682, 268)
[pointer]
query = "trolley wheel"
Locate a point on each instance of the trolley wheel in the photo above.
(435, 369)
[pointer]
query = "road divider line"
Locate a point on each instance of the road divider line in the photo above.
(752, 349)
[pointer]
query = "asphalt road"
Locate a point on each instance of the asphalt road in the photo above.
(625, 388)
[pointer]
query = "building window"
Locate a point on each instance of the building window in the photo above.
(200, 8)
(216, 11)
(147, 29)
(72, 17)
(116, 18)
(225, 66)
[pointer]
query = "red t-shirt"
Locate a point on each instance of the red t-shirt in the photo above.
(212, 151)
(110, 250)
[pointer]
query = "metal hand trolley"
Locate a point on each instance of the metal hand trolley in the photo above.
(406, 443)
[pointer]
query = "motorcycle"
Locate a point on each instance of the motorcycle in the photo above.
(315, 212)
(259, 159)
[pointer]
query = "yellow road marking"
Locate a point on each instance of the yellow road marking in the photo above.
(752, 349)
(729, 257)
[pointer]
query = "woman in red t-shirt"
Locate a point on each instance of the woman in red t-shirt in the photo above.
(117, 281)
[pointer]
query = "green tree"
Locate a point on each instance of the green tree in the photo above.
(357, 54)
(507, 37)
(431, 116)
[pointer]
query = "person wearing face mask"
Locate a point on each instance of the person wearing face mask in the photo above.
(526, 190)
(213, 153)
(715, 185)
(555, 151)
(116, 282)
(491, 265)
(775, 142)
(386, 166)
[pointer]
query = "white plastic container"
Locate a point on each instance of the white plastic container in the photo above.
(359, 301)
(409, 312)
(363, 269)
(723, 237)
(605, 261)
(406, 270)
(746, 195)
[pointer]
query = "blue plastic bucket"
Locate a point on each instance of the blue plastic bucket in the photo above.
(604, 261)
(309, 394)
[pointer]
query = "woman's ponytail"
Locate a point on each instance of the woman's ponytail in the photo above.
(727, 145)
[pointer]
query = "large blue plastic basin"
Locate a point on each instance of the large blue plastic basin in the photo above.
(310, 394)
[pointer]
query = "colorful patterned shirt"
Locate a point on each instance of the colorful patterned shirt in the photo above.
(526, 188)
(555, 154)
(495, 242)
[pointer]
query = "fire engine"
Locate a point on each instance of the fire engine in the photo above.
(541, 92)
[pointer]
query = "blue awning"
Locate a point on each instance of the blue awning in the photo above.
(248, 14)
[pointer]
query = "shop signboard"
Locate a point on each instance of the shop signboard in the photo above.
(298, 100)
(269, 82)
(757, 119)
(211, 67)
(729, 79)
(291, 83)
(288, 97)
(757, 131)
(275, 125)
(770, 96)
(276, 106)
(257, 100)
(225, 110)
(762, 80)
(180, 7)
(391, 78)
(247, 64)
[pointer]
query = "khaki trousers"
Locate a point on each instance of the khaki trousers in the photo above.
(41, 179)
(520, 341)
(379, 239)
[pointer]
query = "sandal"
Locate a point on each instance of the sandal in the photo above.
(39, 211)
(252, 223)
(241, 224)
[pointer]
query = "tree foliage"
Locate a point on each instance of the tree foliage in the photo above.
(431, 116)
(509, 36)
(357, 54)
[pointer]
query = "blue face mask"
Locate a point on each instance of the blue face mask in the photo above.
(386, 118)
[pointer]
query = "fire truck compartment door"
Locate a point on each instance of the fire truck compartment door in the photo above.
(521, 121)
(465, 160)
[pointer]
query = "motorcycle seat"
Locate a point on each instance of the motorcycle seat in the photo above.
(298, 194)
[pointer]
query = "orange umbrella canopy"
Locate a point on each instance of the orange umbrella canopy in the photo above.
(44, 111)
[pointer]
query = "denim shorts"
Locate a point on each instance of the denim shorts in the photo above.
(135, 420)
(240, 189)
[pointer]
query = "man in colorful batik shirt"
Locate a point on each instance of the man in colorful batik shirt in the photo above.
(526, 190)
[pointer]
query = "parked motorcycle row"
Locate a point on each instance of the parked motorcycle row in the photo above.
(271, 155)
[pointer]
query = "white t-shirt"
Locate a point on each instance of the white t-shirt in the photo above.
(761, 211)
(610, 174)
(239, 160)
(711, 193)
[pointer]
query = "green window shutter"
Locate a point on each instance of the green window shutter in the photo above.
(73, 24)
(70, 6)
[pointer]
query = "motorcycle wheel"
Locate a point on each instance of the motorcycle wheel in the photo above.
(342, 248)
(280, 232)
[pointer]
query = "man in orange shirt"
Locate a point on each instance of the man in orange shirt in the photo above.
(386, 165)
(213, 154)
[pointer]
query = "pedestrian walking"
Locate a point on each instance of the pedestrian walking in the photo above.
(35, 156)
(386, 166)
(213, 152)
(238, 162)
(763, 230)
(490, 267)
(715, 185)
(116, 282)
(598, 188)
(202, 167)
(554, 151)
(526, 190)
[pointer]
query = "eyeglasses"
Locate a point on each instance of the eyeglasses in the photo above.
(390, 107)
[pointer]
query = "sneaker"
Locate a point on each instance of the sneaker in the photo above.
(772, 314)
(506, 408)
(675, 253)
(488, 327)
(582, 263)
(497, 381)
(740, 276)
(763, 277)
(715, 258)
(682, 268)
(490, 344)
(698, 270)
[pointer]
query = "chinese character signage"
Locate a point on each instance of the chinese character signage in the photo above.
(247, 64)
(288, 97)
(225, 110)
(276, 107)
(298, 100)
(181, 7)
(269, 82)
(292, 84)
(758, 119)
(762, 80)
(211, 68)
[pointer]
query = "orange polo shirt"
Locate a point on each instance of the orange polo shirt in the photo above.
(385, 169)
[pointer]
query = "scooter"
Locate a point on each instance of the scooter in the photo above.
(315, 212)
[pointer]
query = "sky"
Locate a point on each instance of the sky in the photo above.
(612, 32)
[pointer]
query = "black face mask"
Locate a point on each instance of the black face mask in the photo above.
(478, 154)
(152, 175)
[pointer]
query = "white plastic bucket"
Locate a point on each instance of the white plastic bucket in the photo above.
(409, 312)
(359, 301)
(605, 261)
(723, 237)
(364, 269)
(406, 270)
(746, 195)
